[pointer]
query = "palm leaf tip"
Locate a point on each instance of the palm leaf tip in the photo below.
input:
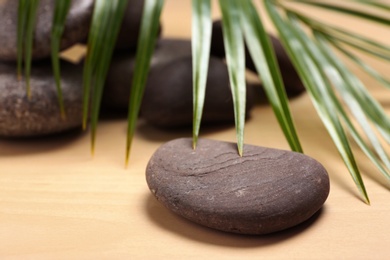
(260, 48)
(235, 57)
(194, 142)
(308, 59)
(201, 41)
(146, 43)
(106, 21)
(61, 10)
(27, 13)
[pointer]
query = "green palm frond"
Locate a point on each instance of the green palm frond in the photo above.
(235, 56)
(61, 10)
(321, 70)
(27, 15)
(201, 34)
(106, 21)
(146, 42)
(341, 99)
(260, 47)
(349, 10)
(363, 65)
(373, 4)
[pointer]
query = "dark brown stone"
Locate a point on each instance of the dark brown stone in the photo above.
(291, 80)
(168, 50)
(266, 190)
(21, 117)
(76, 28)
(168, 95)
(167, 99)
(130, 28)
(120, 75)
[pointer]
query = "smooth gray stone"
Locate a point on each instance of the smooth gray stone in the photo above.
(21, 117)
(265, 191)
(76, 28)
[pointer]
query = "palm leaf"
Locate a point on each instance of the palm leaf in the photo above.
(355, 40)
(107, 19)
(60, 12)
(303, 53)
(314, 60)
(372, 3)
(350, 11)
(22, 17)
(260, 47)
(27, 14)
(235, 57)
(201, 39)
(146, 43)
(363, 65)
(339, 75)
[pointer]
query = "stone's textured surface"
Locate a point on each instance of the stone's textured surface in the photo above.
(76, 29)
(20, 117)
(292, 82)
(266, 190)
(128, 34)
(168, 95)
(120, 75)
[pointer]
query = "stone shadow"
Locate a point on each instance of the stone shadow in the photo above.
(39, 144)
(171, 222)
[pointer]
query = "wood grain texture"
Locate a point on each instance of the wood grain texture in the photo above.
(56, 202)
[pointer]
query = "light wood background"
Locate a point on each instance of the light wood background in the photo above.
(56, 202)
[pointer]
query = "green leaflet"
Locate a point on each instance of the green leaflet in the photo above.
(303, 54)
(372, 3)
(27, 14)
(339, 75)
(363, 65)
(201, 39)
(355, 40)
(60, 12)
(345, 10)
(261, 49)
(146, 43)
(22, 17)
(235, 57)
(105, 27)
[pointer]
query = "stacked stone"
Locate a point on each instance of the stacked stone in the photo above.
(21, 116)
(167, 99)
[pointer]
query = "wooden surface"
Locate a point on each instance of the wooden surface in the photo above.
(56, 202)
